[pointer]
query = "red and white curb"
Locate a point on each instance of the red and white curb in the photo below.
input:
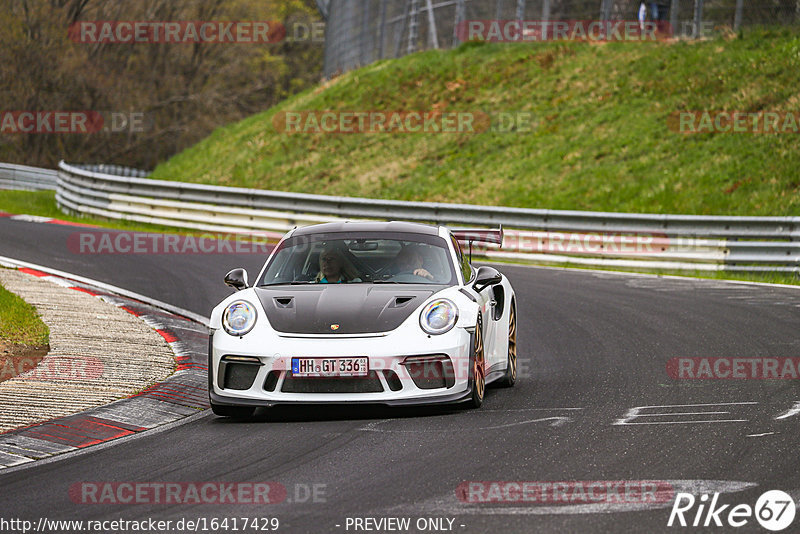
(41, 219)
(182, 394)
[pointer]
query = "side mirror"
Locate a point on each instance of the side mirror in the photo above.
(485, 277)
(237, 279)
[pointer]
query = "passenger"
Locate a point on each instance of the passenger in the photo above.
(334, 268)
(410, 261)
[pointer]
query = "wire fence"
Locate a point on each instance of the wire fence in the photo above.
(360, 32)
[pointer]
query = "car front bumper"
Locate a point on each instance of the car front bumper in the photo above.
(405, 369)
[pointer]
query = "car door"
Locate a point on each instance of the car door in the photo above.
(497, 333)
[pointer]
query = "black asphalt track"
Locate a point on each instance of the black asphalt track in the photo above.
(593, 353)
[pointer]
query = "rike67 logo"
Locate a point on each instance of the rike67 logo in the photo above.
(774, 510)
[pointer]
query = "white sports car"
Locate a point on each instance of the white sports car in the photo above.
(364, 312)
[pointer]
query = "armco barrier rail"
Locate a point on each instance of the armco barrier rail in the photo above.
(114, 170)
(27, 178)
(591, 238)
(564, 237)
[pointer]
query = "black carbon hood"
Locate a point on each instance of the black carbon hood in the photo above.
(342, 308)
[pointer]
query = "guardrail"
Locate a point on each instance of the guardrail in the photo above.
(27, 178)
(114, 170)
(574, 237)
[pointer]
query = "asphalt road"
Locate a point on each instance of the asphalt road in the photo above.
(594, 402)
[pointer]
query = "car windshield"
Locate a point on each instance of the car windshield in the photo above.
(375, 257)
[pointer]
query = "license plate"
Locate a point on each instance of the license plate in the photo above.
(303, 367)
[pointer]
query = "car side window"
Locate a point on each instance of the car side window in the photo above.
(466, 269)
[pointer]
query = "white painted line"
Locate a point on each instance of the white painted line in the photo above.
(760, 435)
(14, 263)
(525, 409)
(685, 422)
(31, 218)
(636, 413)
(373, 427)
(705, 404)
(680, 413)
(794, 410)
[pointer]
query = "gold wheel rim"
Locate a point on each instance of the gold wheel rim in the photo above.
(512, 343)
(480, 379)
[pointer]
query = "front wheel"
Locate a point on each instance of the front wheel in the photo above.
(478, 368)
(236, 412)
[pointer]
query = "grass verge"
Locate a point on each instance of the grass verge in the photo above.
(19, 321)
(600, 141)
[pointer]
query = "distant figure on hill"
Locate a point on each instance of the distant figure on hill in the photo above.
(642, 15)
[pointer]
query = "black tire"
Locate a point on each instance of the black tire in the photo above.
(510, 378)
(477, 368)
(236, 412)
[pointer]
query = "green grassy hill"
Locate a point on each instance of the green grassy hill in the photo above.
(601, 139)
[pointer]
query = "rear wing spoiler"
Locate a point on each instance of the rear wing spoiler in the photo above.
(478, 235)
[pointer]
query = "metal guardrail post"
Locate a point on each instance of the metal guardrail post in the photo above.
(460, 17)
(520, 14)
(605, 9)
(412, 26)
(399, 35)
(498, 10)
(432, 25)
(673, 17)
(737, 18)
(382, 28)
(698, 18)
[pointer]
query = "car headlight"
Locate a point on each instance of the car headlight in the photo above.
(438, 317)
(239, 318)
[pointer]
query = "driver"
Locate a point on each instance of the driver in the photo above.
(410, 261)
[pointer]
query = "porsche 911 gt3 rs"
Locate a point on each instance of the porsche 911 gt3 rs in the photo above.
(364, 312)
